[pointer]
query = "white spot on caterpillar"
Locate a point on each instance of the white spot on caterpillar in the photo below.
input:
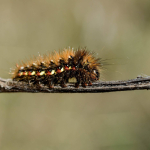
(62, 69)
(42, 73)
(34, 64)
(21, 68)
(33, 73)
(53, 71)
(94, 71)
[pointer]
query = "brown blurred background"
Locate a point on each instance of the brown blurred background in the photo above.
(118, 30)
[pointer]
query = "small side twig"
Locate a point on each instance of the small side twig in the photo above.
(140, 83)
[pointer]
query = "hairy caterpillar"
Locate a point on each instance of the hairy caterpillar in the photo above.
(59, 67)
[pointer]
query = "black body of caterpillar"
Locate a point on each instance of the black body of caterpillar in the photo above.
(59, 67)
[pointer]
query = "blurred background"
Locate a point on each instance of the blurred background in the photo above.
(117, 30)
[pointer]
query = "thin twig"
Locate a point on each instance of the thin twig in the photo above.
(140, 83)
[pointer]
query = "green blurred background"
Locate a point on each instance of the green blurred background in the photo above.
(118, 30)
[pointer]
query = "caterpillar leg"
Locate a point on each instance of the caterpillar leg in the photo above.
(84, 84)
(63, 85)
(50, 84)
(78, 82)
(84, 78)
(84, 81)
(38, 85)
(90, 83)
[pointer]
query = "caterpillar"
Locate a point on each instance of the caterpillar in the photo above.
(57, 68)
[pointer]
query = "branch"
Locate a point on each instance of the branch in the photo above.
(140, 83)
